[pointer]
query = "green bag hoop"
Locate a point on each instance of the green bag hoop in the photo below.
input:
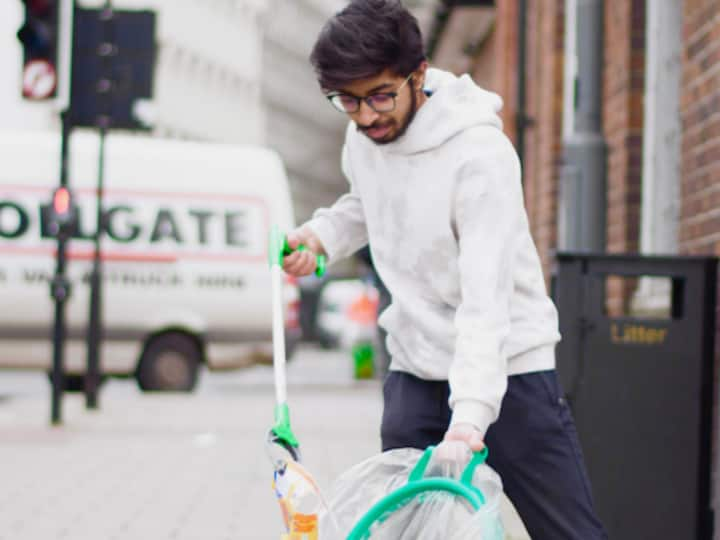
(417, 485)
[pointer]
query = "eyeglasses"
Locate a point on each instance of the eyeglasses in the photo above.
(382, 103)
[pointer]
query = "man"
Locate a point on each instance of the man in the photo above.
(435, 190)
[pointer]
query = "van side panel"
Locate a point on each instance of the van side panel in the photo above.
(184, 245)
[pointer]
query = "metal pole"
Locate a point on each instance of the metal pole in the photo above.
(94, 337)
(583, 198)
(92, 377)
(60, 289)
(521, 119)
(65, 40)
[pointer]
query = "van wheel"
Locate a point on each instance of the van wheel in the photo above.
(170, 363)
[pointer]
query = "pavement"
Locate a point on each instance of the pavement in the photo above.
(154, 467)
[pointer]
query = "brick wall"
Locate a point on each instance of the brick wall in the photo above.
(543, 139)
(544, 73)
(700, 114)
(699, 228)
(505, 42)
(623, 89)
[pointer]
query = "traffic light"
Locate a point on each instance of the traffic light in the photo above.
(60, 217)
(39, 37)
(113, 63)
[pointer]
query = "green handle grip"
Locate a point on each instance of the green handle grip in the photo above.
(392, 502)
(282, 429)
(467, 475)
(279, 249)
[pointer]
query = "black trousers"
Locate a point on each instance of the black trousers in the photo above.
(533, 447)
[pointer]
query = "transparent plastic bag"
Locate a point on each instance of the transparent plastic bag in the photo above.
(433, 515)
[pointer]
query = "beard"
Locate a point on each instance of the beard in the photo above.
(399, 131)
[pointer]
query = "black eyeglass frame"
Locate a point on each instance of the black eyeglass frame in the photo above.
(367, 99)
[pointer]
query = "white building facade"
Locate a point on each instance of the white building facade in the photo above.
(227, 71)
(301, 125)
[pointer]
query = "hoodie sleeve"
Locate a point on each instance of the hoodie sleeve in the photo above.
(341, 228)
(488, 210)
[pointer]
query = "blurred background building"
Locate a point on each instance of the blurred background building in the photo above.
(300, 124)
(658, 113)
(643, 84)
(241, 75)
(207, 82)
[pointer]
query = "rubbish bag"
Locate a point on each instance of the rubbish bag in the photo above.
(427, 515)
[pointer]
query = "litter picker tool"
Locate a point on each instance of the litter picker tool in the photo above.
(281, 433)
(297, 493)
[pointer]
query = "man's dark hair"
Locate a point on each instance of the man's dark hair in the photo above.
(364, 39)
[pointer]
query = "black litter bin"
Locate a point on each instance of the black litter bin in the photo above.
(641, 390)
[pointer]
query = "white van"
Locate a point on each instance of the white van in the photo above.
(186, 277)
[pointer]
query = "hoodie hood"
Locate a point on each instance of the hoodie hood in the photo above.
(455, 105)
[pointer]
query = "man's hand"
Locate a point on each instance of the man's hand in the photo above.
(302, 263)
(467, 433)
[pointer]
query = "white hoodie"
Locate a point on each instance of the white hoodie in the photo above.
(442, 208)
